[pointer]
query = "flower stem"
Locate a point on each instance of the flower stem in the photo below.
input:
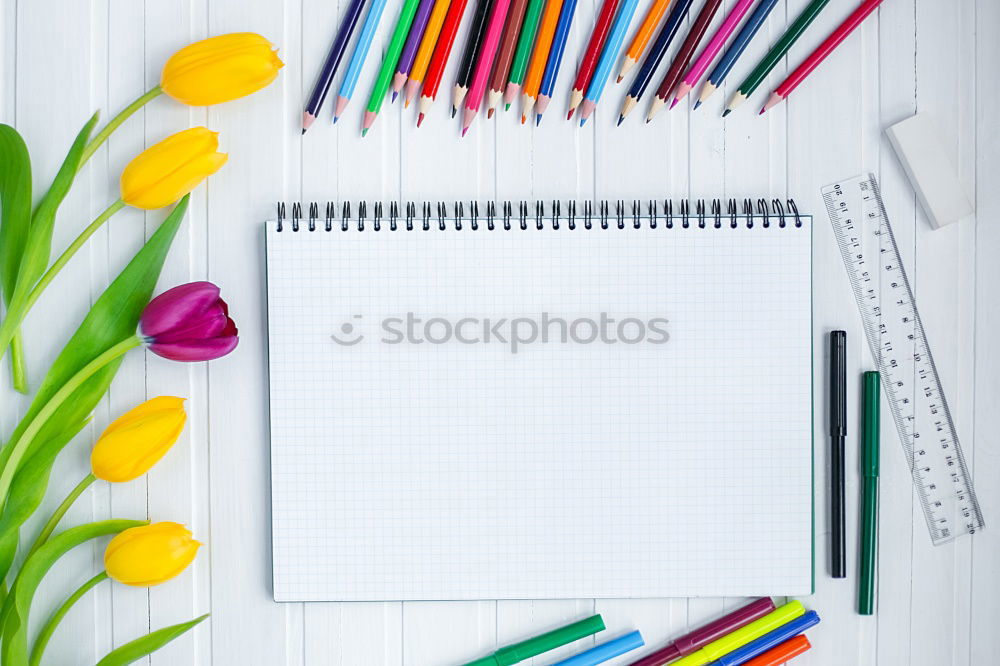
(113, 124)
(20, 446)
(60, 511)
(22, 302)
(50, 627)
(18, 371)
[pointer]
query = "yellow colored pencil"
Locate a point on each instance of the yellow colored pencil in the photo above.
(643, 35)
(426, 49)
(543, 44)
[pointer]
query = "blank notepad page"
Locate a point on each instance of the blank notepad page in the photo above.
(540, 413)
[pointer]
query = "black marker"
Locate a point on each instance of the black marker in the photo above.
(838, 433)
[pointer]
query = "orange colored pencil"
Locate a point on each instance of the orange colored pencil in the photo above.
(543, 44)
(642, 36)
(426, 50)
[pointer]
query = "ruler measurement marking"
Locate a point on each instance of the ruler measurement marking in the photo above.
(910, 376)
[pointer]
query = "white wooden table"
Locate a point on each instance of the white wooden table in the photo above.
(61, 59)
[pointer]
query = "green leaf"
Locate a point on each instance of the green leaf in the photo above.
(27, 492)
(140, 647)
(15, 206)
(113, 316)
(17, 607)
(38, 248)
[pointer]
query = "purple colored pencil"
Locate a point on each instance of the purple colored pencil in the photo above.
(333, 58)
(409, 52)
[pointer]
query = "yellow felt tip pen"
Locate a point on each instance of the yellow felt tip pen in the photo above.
(744, 635)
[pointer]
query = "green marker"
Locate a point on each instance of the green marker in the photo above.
(532, 647)
(519, 66)
(389, 63)
(869, 495)
(776, 53)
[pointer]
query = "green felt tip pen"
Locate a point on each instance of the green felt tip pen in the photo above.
(869, 498)
(532, 647)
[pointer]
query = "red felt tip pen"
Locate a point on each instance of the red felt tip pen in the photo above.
(702, 636)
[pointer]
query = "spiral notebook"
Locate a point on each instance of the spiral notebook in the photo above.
(540, 401)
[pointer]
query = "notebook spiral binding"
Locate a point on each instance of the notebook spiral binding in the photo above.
(502, 215)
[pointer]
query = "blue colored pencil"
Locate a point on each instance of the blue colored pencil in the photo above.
(735, 50)
(358, 57)
(332, 62)
(555, 58)
(655, 56)
(608, 57)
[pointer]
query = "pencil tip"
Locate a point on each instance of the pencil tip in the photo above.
(697, 104)
(303, 130)
(538, 120)
(570, 114)
(506, 107)
(524, 119)
(620, 77)
(464, 130)
(489, 113)
(621, 119)
(648, 119)
(364, 132)
(394, 96)
(420, 119)
(674, 103)
(335, 119)
(726, 112)
(454, 110)
(582, 121)
(762, 111)
(406, 103)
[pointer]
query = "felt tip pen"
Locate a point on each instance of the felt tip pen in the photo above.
(605, 651)
(702, 636)
(787, 651)
(532, 647)
(767, 641)
(869, 495)
(838, 433)
(744, 635)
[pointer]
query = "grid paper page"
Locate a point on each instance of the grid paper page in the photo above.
(653, 440)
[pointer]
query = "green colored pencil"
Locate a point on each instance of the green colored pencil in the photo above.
(776, 53)
(523, 53)
(389, 63)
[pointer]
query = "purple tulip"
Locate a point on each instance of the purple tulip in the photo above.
(189, 323)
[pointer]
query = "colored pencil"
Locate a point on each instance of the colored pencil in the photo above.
(608, 57)
(777, 52)
(358, 57)
(735, 50)
(533, 79)
(555, 59)
(505, 54)
(333, 58)
(487, 54)
(589, 61)
(787, 651)
(820, 54)
(656, 53)
(440, 59)
(519, 66)
(473, 42)
(715, 45)
(409, 53)
(642, 36)
(402, 29)
(427, 44)
(683, 57)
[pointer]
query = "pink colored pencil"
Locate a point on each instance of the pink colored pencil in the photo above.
(700, 66)
(819, 55)
(485, 65)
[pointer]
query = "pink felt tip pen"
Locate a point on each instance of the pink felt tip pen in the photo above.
(702, 636)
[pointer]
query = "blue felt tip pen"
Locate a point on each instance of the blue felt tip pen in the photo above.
(605, 651)
(768, 641)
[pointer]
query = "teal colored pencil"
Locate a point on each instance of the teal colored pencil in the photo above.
(358, 58)
(608, 58)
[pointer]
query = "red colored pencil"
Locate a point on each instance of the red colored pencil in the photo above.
(442, 51)
(591, 55)
(820, 54)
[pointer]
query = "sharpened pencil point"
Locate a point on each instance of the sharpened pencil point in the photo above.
(582, 121)
(524, 119)
(303, 130)
(506, 107)
(621, 119)
(674, 103)
(464, 131)
(454, 110)
(364, 132)
(696, 105)
(620, 77)
(489, 113)
(335, 119)
(726, 112)
(538, 120)
(762, 111)
(570, 114)
(394, 96)
(420, 119)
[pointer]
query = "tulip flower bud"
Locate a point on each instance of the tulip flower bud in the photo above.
(150, 554)
(220, 69)
(189, 323)
(166, 171)
(137, 439)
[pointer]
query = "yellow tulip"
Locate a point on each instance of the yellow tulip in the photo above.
(220, 69)
(137, 439)
(166, 171)
(151, 554)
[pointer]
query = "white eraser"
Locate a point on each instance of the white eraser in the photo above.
(930, 171)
